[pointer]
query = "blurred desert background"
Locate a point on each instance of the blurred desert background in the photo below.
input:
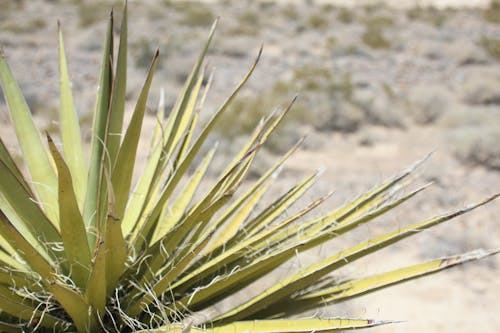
(379, 85)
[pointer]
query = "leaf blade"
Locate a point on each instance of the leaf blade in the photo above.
(73, 233)
(35, 154)
(70, 128)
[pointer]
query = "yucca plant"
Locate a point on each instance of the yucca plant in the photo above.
(82, 250)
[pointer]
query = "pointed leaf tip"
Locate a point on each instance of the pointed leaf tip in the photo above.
(259, 55)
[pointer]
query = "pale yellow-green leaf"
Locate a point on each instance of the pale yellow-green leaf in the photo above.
(34, 152)
(26, 310)
(19, 279)
(317, 231)
(236, 221)
(95, 199)
(31, 238)
(25, 250)
(118, 96)
(142, 191)
(201, 214)
(359, 287)
(171, 137)
(248, 270)
(7, 159)
(371, 198)
(172, 271)
(8, 260)
(179, 117)
(25, 206)
(279, 326)
(115, 246)
(63, 294)
(194, 121)
(313, 272)
(245, 247)
(70, 129)
(356, 287)
(185, 131)
(76, 307)
(184, 165)
(73, 233)
(95, 294)
(172, 215)
(122, 173)
(276, 208)
(241, 200)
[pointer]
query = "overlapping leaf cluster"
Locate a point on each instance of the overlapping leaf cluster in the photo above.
(82, 249)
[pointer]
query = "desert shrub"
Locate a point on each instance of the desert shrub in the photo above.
(465, 115)
(312, 77)
(290, 11)
(267, 5)
(346, 15)
(323, 103)
(330, 42)
(328, 97)
(318, 21)
(8, 5)
(249, 16)
(491, 45)
(380, 21)
(247, 111)
(430, 14)
(477, 145)
(195, 14)
(492, 13)
(141, 50)
(89, 12)
(374, 34)
(340, 116)
(343, 87)
(427, 103)
(373, 37)
(246, 23)
(318, 78)
(381, 106)
(24, 26)
(481, 88)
